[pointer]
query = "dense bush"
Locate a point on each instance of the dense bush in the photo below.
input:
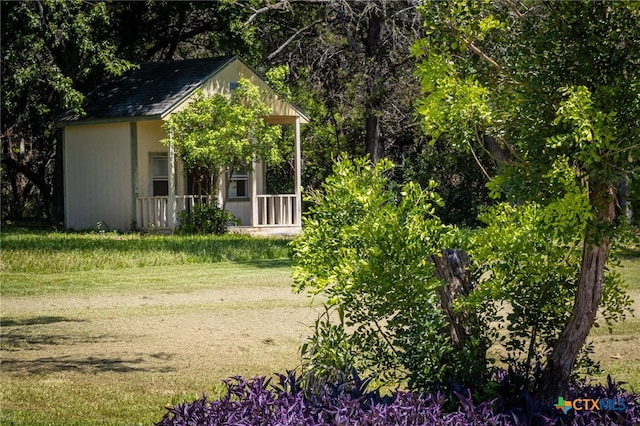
(258, 402)
(368, 249)
(204, 219)
(529, 256)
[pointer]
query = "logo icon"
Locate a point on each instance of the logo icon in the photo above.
(563, 405)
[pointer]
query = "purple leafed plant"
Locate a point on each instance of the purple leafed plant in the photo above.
(259, 402)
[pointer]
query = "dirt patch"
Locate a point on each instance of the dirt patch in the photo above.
(184, 333)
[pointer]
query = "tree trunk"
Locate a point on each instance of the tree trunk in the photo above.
(451, 266)
(374, 84)
(562, 359)
(58, 181)
(372, 136)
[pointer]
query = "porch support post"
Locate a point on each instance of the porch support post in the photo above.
(298, 167)
(133, 131)
(172, 217)
(254, 192)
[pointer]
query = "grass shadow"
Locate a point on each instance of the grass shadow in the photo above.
(628, 253)
(268, 263)
(39, 320)
(89, 365)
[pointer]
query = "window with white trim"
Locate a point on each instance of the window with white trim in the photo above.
(160, 175)
(239, 184)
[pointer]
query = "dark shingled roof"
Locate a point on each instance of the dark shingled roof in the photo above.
(148, 91)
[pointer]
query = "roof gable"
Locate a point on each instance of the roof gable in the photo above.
(149, 91)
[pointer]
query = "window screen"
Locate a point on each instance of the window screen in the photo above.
(160, 175)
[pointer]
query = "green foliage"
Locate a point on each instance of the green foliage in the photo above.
(220, 133)
(485, 71)
(204, 219)
(593, 138)
(528, 261)
(51, 52)
(454, 104)
(530, 276)
(327, 356)
(368, 251)
(543, 87)
(277, 78)
(461, 182)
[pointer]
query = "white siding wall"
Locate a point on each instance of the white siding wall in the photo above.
(97, 165)
(241, 210)
(150, 133)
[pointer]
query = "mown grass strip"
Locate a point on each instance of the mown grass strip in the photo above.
(142, 279)
(56, 252)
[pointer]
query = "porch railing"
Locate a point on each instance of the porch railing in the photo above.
(153, 212)
(272, 210)
(277, 210)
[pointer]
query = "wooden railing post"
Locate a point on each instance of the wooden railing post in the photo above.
(172, 217)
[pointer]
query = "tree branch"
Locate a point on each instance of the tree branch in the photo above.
(290, 39)
(484, 56)
(257, 12)
(280, 5)
(512, 7)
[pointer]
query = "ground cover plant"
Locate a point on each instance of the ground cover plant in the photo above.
(258, 401)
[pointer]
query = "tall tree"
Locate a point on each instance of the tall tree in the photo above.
(355, 56)
(166, 30)
(54, 52)
(543, 85)
(50, 51)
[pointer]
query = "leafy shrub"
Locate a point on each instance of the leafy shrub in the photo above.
(204, 219)
(327, 356)
(368, 250)
(258, 402)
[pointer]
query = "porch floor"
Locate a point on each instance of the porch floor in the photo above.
(276, 231)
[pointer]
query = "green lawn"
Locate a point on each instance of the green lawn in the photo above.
(107, 329)
(617, 350)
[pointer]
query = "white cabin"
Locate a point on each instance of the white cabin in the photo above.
(117, 172)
